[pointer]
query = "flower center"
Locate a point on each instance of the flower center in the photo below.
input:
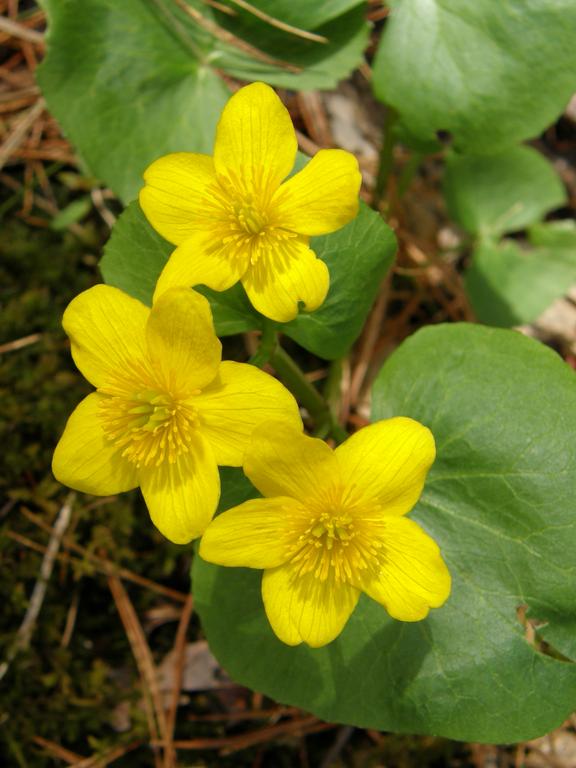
(337, 543)
(244, 223)
(152, 427)
(251, 219)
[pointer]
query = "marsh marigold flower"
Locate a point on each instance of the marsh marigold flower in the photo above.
(166, 411)
(333, 526)
(233, 217)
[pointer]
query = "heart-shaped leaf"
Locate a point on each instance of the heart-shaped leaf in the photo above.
(501, 193)
(510, 285)
(490, 73)
(500, 502)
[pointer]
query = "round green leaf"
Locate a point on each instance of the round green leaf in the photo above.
(509, 285)
(503, 192)
(295, 62)
(490, 73)
(500, 502)
(126, 88)
(131, 81)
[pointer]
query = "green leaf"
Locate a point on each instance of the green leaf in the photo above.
(302, 64)
(490, 73)
(508, 285)
(305, 14)
(235, 488)
(500, 502)
(358, 256)
(126, 88)
(72, 213)
(503, 192)
(554, 234)
(134, 80)
(136, 254)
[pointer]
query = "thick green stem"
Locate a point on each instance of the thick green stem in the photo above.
(268, 342)
(408, 173)
(386, 159)
(306, 394)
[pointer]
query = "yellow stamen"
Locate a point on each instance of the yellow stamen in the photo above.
(243, 221)
(337, 542)
(152, 427)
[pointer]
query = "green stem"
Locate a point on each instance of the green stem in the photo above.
(408, 173)
(268, 342)
(386, 159)
(306, 394)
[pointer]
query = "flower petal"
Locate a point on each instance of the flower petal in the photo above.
(322, 197)
(85, 459)
(173, 199)
(238, 400)
(284, 277)
(182, 344)
(282, 461)
(201, 260)
(255, 143)
(182, 497)
(251, 535)
(106, 330)
(305, 609)
(414, 577)
(388, 461)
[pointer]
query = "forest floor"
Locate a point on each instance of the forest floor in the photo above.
(102, 659)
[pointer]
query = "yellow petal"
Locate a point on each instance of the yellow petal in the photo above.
(254, 534)
(255, 143)
(414, 577)
(305, 609)
(322, 197)
(238, 400)
(202, 260)
(174, 197)
(85, 459)
(283, 278)
(182, 497)
(282, 461)
(182, 343)
(388, 461)
(107, 333)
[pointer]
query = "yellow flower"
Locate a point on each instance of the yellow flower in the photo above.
(166, 411)
(333, 527)
(233, 219)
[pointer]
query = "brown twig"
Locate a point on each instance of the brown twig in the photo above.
(230, 744)
(372, 331)
(143, 656)
(105, 566)
(227, 37)
(25, 630)
(179, 657)
(274, 22)
(19, 132)
(70, 620)
(56, 750)
(306, 144)
(21, 31)
(25, 341)
(109, 757)
(313, 113)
